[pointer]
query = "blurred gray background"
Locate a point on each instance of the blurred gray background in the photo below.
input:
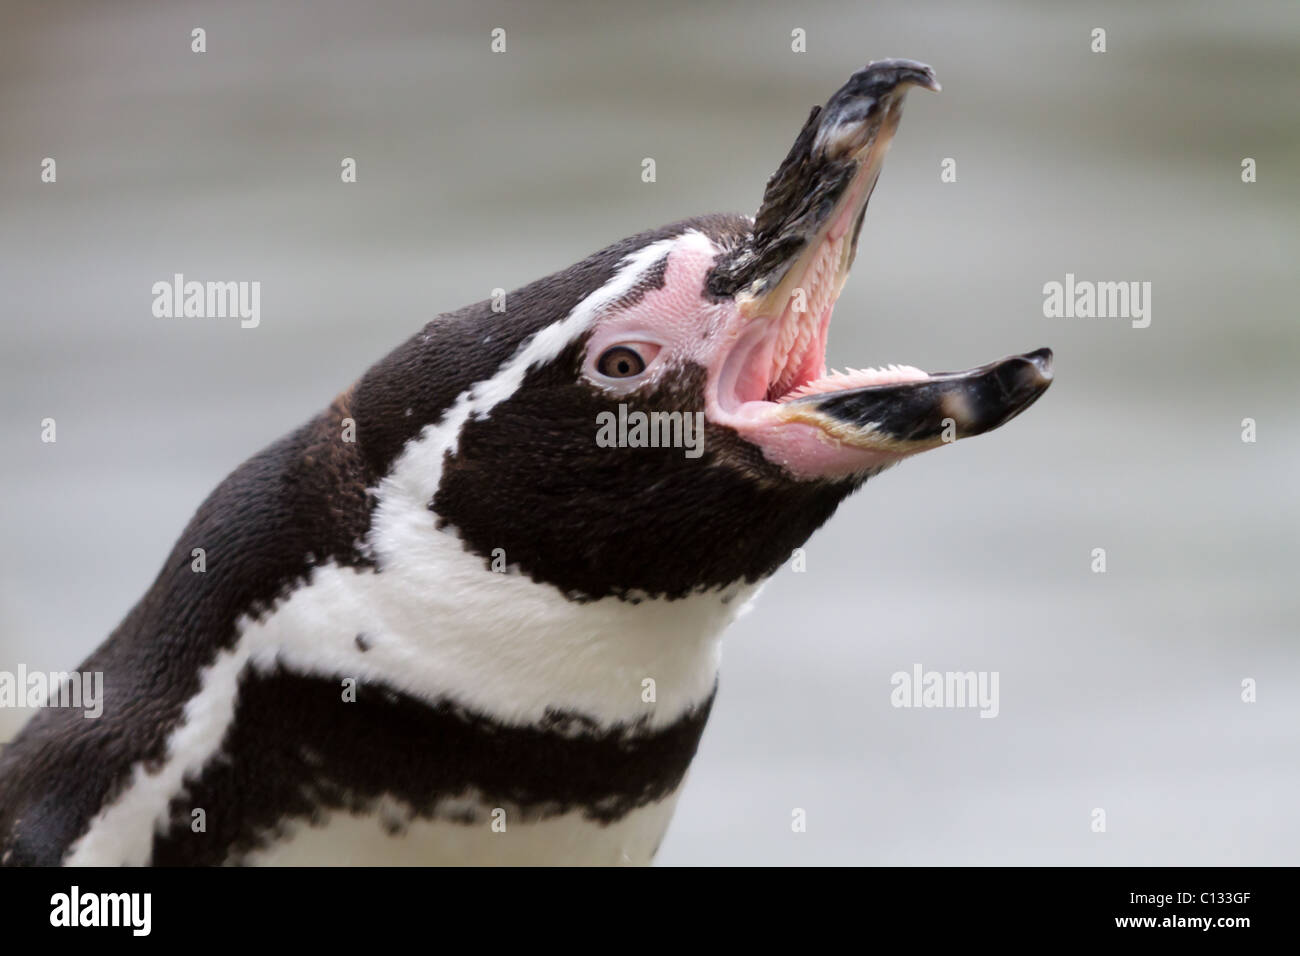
(1118, 690)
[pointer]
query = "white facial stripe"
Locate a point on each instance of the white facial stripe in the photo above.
(552, 340)
(439, 625)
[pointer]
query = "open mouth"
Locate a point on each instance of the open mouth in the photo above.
(786, 281)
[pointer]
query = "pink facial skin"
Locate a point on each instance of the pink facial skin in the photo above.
(752, 363)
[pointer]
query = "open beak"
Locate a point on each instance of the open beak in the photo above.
(786, 278)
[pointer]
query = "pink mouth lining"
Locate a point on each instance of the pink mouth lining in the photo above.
(775, 361)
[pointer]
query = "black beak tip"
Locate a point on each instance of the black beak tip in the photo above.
(1041, 360)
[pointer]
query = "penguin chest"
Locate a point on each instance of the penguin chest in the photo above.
(515, 727)
(369, 718)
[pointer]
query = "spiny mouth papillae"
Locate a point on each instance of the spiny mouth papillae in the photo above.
(799, 355)
(786, 280)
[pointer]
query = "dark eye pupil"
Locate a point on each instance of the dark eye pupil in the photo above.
(621, 362)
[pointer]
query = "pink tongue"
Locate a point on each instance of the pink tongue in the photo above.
(835, 381)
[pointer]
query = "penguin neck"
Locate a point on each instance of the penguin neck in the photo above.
(423, 615)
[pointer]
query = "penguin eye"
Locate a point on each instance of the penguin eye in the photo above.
(621, 362)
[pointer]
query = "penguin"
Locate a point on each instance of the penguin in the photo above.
(471, 612)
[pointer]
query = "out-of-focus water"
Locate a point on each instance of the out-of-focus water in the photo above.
(1119, 691)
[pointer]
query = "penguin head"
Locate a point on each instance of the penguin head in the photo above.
(678, 429)
(753, 310)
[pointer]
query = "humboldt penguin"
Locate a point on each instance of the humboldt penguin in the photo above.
(454, 618)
